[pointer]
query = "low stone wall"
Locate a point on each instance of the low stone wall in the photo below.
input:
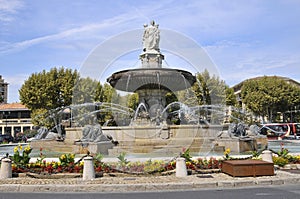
(167, 140)
(156, 139)
(52, 146)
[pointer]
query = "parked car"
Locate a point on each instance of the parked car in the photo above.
(281, 130)
(6, 138)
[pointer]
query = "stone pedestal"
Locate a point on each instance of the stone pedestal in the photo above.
(181, 170)
(88, 169)
(238, 145)
(6, 169)
(267, 156)
(151, 59)
(154, 98)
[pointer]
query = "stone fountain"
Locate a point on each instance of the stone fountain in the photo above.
(149, 132)
(152, 82)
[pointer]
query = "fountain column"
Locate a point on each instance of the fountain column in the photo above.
(154, 99)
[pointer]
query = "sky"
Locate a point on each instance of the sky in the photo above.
(242, 38)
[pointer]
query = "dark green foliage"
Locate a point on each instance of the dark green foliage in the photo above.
(86, 91)
(269, 95)
(133, 101)
(230, 96)
(48, 90)
(211, 90)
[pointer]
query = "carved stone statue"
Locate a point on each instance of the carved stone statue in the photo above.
(151, 37)
(237, 130)
(93, 134)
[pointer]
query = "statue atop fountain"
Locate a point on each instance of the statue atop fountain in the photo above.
(151, 56)
(151, 37)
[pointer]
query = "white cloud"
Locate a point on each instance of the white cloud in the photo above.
(8, 8)
(239, 60)
(66, 34)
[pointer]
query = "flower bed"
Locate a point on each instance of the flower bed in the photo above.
(66, 163)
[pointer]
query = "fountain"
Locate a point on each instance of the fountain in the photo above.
(149, 130)
(152, 82)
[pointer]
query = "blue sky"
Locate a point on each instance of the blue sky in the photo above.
(243, 38)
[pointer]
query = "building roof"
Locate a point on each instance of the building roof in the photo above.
(12, 107)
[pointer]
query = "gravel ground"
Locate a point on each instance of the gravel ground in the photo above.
(132, 179)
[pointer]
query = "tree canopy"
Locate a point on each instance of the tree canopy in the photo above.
(211, 90)
(267, 96)
(49, 90)
(45, 91)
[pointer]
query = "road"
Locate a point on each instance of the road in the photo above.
(274, 192)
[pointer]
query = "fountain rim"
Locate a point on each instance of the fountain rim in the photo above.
(138, 72)
(152, 69)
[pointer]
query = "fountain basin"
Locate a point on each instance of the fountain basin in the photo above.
(151, 78)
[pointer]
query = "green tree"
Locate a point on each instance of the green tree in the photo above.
(86, 90)
(48, 90)
(133, 101)
(230, 97)
(109, 94)
(210, 89)
(40, 117)
(200, 88)
(268, 96)
(106, 93)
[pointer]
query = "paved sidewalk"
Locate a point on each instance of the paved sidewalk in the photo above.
(125, 183)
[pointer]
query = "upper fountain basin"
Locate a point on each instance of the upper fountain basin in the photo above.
(151, 78)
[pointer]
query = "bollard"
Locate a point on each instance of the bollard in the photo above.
(181, 170)
(6, 169)
(267, 156)
(88, 168)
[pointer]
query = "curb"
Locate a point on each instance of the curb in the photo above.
(83, 186)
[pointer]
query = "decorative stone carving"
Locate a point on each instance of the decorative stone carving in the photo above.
(237, 130)
(93, 133)
(151, 37)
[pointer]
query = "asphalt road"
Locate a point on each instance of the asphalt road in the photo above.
(270, 192)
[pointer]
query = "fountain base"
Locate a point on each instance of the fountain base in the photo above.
(92, 147)
(164, 140)
(168, 140)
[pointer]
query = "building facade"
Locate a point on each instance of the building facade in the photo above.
(14, 118)
(3, 90)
